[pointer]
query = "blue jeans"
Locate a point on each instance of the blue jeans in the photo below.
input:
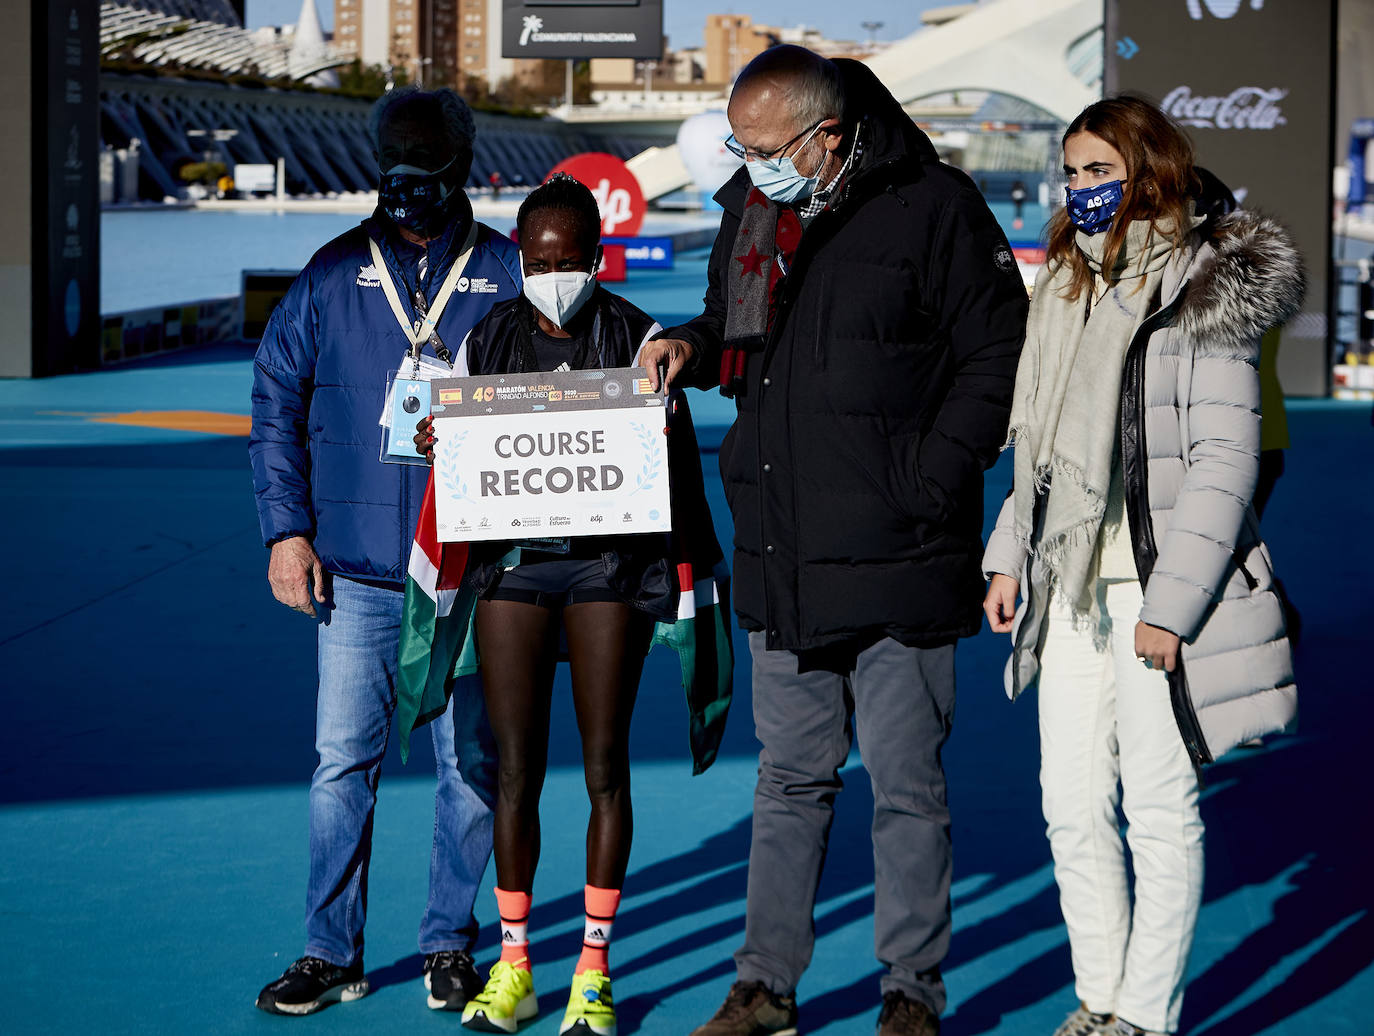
(358, 636)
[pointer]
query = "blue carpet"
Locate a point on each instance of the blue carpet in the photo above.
(158, 745)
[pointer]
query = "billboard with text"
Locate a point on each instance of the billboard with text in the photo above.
(66, 144)
(582, 29)
(1252, 82)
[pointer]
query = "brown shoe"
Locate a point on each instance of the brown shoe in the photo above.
(752, 1010)
(903, 1016)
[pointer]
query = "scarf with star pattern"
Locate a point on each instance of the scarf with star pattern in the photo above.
(765, 246)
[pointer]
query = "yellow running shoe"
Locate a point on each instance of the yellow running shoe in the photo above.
(507, 1000)
(591, 1011)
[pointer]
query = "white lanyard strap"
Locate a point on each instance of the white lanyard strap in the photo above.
(418, 334)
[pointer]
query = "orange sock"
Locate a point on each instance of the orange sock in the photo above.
(514, 908)
(596, 934)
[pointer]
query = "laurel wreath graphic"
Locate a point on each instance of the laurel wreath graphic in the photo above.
(652, 444)
(452, 471)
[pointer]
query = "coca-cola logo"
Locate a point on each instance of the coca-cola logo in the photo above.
(1247, 107)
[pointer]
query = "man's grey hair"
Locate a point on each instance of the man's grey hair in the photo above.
(458, 120)
(818, 96)
(812, 84)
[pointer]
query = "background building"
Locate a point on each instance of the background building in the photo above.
(437, 42)
(379, 32)
(731, 40)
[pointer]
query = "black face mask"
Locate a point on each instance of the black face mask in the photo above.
(418, 202)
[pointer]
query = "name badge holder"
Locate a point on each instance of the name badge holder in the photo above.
(407, 395)
(548, 544)
(407, 401)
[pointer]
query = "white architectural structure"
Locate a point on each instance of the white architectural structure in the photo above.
(1031, 49)
(660, 171)
(309, 50)
(1044, 52)
(151, 34)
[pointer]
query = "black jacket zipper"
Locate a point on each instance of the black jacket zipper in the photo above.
(1135, 477)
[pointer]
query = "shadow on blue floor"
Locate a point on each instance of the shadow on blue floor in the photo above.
(1285, 827)
(143, 655)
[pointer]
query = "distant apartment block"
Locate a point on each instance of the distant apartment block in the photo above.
(731, 41)
(442, 42)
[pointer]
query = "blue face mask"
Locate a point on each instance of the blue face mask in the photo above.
(415, 199)
(1091, 208)
(778, 177)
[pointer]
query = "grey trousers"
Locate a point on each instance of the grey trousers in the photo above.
(900, 702)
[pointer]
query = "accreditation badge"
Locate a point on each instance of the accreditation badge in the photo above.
(407, 402)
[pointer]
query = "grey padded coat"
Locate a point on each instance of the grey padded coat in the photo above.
(1190, 410)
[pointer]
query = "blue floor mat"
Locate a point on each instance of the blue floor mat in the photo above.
(158, 745)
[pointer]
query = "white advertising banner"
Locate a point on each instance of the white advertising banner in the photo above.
(249, 177)
(540, 455)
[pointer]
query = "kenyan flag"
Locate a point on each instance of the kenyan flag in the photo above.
(701, 632)
(701, 638)
(434, 624)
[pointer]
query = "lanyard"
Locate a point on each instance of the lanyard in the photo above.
(417, 334)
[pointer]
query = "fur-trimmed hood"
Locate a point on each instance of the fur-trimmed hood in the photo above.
(1246, 277)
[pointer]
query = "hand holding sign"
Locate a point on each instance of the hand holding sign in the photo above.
(665, 358)
(424, 439)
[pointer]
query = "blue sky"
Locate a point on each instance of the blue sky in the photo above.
(684, 19)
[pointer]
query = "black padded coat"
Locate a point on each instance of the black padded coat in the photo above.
(854, 466)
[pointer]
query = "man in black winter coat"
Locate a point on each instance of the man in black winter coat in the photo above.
(866, 314)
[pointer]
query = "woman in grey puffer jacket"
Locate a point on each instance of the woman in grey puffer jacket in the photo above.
(1149, 619)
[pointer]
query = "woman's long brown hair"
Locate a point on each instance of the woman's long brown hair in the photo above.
(1160, 182)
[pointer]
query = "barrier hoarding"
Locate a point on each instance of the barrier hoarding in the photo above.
(1252, 83)
(63, 246)
(616, 190)
(261, 291)
(644, 253)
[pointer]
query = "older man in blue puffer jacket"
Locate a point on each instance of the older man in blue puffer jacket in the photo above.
(339, 524)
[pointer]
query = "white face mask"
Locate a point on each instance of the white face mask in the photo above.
(561, 294)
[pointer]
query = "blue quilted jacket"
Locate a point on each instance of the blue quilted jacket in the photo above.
(319, 381)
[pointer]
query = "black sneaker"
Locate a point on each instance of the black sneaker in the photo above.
(451, 978)
(311, 983)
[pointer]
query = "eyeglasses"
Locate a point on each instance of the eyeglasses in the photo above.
(740, 151)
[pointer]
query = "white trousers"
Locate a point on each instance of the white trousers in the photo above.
(1108, 738)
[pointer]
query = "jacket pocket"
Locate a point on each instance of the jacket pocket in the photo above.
(915, 500)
